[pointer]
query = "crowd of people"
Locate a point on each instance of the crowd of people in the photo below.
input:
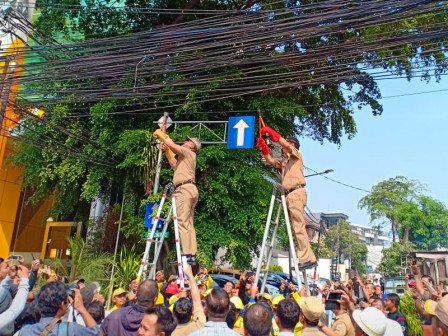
(160, 307)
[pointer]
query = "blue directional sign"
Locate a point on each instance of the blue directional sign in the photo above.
(241, 132)
(150, 209)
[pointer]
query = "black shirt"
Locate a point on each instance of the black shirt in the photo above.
(399, 317)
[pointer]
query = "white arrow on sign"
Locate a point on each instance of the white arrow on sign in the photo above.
(240, 125)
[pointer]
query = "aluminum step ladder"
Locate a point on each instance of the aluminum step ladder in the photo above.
(158, 242)
(267, 248)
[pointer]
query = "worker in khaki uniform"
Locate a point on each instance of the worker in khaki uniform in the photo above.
(342, 324)
(185, 188)
(311, 309)
(293, 183)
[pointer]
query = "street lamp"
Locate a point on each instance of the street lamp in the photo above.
(321, 173)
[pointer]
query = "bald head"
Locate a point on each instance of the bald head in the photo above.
(257, 320)
(147, 293)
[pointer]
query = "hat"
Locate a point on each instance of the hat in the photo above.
(172, 289)
(371, 320)
(411, 283)
(276, 300)
(312, 308)
(88, 292)
(237, 302)
(294, 140)
(267, 296)
(172, 299)
(118, 291)
(393, 328)
(439, 309)
(207, 292)
(196, 142)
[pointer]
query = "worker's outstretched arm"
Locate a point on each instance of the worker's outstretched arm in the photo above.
(276, 137)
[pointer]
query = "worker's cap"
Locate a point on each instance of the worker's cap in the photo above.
(371, 320)
(237, 302)
(267, 296)
(312, 308)
(172, 289)
(118, 291)
(294, 140)
(276, 300)
(172, 299)
(439, 309)
(196, 142)
(207, 292)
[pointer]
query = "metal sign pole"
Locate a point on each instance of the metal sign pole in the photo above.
(159, 157)
(115, 257)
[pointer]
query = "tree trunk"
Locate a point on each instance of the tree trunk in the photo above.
(406, 235)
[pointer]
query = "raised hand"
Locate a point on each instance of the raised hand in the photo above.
(272, 134)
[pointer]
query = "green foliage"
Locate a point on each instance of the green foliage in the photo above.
(127, 267)
(387, 196)
(233, 198)
(413, 217)
(341, 241)
(88, 264)
(407, 308)
(424, 223)
(394, 258)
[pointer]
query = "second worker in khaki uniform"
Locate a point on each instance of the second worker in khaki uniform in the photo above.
(185, 188)
(293, 183)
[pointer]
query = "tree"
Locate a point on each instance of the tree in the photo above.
(394, 259)
(424, 223)
(387, 196)
(342, 243)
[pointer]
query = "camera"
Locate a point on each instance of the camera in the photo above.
(70, 291)
(15, 257)
(331, 302)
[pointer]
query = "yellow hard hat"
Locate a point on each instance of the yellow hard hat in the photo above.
(237, 302)
(207, 292)
(276, 300)
(173, 299)
(267, 296)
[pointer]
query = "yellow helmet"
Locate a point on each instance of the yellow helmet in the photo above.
(267, 296)
(276, 300)
(237, 302)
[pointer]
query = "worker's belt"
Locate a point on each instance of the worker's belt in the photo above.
(287, 192)
(185, 182)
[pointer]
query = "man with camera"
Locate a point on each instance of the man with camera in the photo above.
(342, 325)
(53, 302)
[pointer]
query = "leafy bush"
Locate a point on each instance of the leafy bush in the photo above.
(407, 308)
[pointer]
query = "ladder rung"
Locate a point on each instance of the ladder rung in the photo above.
(274, 222)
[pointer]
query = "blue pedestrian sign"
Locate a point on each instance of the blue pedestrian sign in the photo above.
(150, 209)
(241, 132)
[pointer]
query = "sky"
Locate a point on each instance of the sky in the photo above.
(410, 138)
